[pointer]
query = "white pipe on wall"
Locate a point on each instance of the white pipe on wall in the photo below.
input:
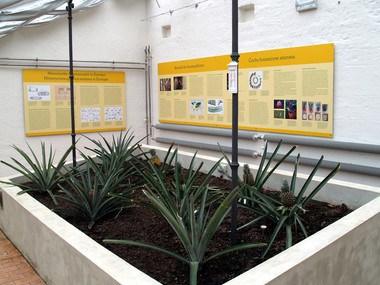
(60, 63)
(349, 167)
(288, 139)
(299, 140)
(204, 130)
(199, 145)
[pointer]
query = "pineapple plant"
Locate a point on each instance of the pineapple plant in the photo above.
(154, 158)
(247, 176)
(287, 197)
(286, 210)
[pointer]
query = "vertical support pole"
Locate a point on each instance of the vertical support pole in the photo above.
(235, 118)
(69, 9)
(146, 96)
(150, 92)
(148, 108)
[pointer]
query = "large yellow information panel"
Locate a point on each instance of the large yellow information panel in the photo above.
(285, 91)
(99, 99)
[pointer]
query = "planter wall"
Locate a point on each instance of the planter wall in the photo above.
(60, 253)
(346, 252)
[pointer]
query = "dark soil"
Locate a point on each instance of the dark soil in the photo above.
(141, 224)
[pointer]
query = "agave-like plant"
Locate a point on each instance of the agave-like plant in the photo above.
(187, 213)
(42, 172)
(114, 156)
(118, 146)
(89, 196)
(263, 172)
(181, 187)
(285, 215)
(166, 165)
(262, 175)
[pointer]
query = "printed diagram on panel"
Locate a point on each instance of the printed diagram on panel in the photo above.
(38, 92)
(215, 106)
(90, 115)
(113, 113)
(197, 106)
(256, 80)
(63, 93)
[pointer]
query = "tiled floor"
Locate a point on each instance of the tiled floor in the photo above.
(14, 269)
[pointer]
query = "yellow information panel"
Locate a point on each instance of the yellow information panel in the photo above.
(285, 91)
(99, 99)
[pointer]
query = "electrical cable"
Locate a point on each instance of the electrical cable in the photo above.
(172, 11)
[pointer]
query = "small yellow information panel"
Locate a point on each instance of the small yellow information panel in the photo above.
(285, 91)
(99, 99)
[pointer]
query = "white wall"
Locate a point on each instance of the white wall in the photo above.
(112, 31)
(353, 26)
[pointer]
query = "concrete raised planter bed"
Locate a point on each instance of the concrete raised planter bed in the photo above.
(346, 252)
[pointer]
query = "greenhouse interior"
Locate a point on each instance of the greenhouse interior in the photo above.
(189, 142)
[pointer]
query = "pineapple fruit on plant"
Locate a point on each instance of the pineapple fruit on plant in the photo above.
(180, 173)
(287, 197)
(247, 176)
(154, 158)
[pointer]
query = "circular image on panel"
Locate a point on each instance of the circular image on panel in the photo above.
(256, 80)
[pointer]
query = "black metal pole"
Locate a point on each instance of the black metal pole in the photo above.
(69, 9)
(235, 118)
